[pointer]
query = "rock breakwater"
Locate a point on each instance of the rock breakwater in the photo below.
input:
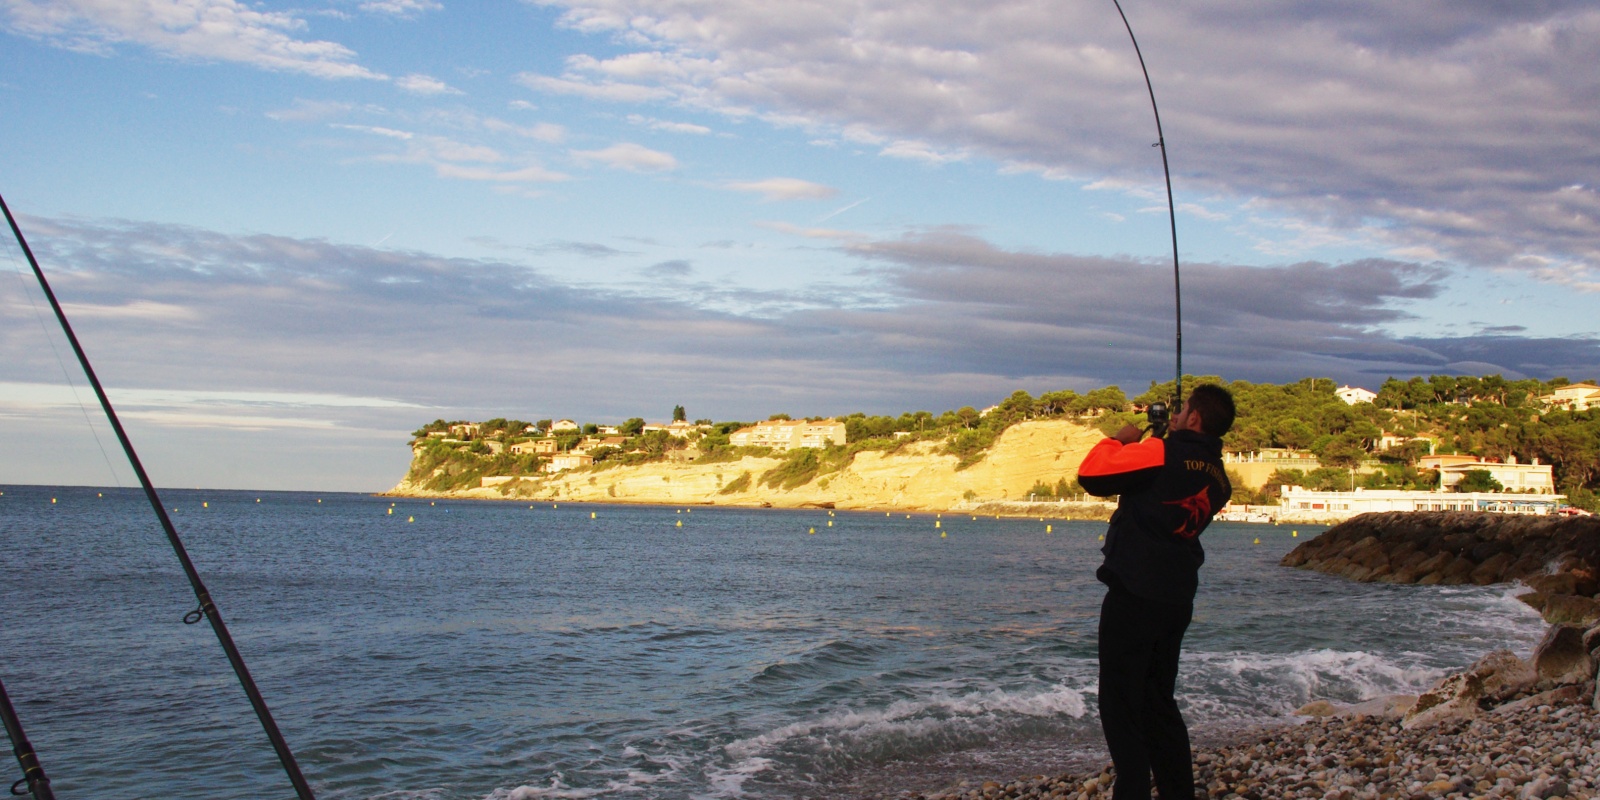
(1558, 559)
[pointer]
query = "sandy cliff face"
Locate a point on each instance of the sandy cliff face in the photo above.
(915, 478)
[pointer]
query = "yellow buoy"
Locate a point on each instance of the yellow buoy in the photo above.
(1295, 535)
(908, 516)
(430, 502)
(811, 530)
(1258, 540)
(938, 524)
(391, 512)
(886, 513)
(319, 500)
(680, 523)
(830, 523)
(411, 519)
(52, 501)
(830, 513)
(205, 505)
(99, 494)
(1102, 537)
(1047, 529)
(941, 535)
(258, 499)
(591, 515)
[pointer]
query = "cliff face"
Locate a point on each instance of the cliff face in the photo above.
(915, 478)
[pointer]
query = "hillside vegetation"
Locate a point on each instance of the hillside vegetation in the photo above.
(1489, 417)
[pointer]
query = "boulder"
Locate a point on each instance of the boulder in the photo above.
(1492, 570)
(1565, 695)
(1317, 708)
(1503, 674)
(1560, 657)
(1571, 609)
(1391, 706)
(1591, 639)
(1559, 583)
(1454, 697)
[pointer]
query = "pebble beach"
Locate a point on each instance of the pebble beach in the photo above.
(1544, 746)
(1511, 726)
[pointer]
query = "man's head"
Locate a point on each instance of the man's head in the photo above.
(1209, 410)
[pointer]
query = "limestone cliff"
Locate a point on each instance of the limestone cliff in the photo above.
(918, 477)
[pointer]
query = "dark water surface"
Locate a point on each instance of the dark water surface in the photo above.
(497, 650)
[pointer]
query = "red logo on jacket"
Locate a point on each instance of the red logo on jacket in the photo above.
(1198, 513)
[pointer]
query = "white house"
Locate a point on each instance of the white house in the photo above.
(783, 434)
(1532, 478)
(1574, 397)
(1352, 395)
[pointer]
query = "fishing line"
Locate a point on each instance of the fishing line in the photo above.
(1172, 212)
(206, 608)
(66, 375)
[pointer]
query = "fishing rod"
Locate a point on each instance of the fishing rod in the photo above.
(32, 773)
(206, 608)
(1159, 419)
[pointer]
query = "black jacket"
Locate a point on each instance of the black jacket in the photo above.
(1169, 490)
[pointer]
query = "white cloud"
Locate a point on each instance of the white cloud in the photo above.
(1453, 130)
(629, 156)
(417, 83)
(220, 30)
(401, 8)
(774, 189)
(149, 310)
(533, 174)
(609, 90)
(670, 127)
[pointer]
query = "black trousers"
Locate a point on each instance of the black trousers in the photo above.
(1139, 643)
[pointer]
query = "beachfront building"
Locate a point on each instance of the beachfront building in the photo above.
(534, 447)
(563, 426)
(1298, 503)
(464, 430)
(783, 434)
(1573, 397)
(1531, 478)
(1352, 395)
(677, 429)
(561, 462)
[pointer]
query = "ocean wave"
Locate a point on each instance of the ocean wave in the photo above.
(1241, 685)
(845, 739)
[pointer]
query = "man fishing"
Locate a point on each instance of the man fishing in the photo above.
(1169, 490)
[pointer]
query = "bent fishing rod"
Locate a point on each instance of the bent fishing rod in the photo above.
(206, 609)
(1160, 418)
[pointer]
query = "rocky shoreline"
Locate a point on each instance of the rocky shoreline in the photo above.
(1506, 727)
(1558, 559)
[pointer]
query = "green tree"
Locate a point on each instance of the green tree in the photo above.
(679, 415)
(633, 427)
(1478, 480)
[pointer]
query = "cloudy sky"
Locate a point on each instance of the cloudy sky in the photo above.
(289, 234)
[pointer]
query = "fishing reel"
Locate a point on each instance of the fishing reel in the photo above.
(1159, 416)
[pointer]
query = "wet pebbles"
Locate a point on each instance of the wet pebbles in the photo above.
(1546, 751)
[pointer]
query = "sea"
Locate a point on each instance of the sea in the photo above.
(453, 650)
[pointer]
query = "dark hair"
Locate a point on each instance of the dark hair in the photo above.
(1215, 406)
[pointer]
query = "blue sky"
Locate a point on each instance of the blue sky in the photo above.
(289, 234)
